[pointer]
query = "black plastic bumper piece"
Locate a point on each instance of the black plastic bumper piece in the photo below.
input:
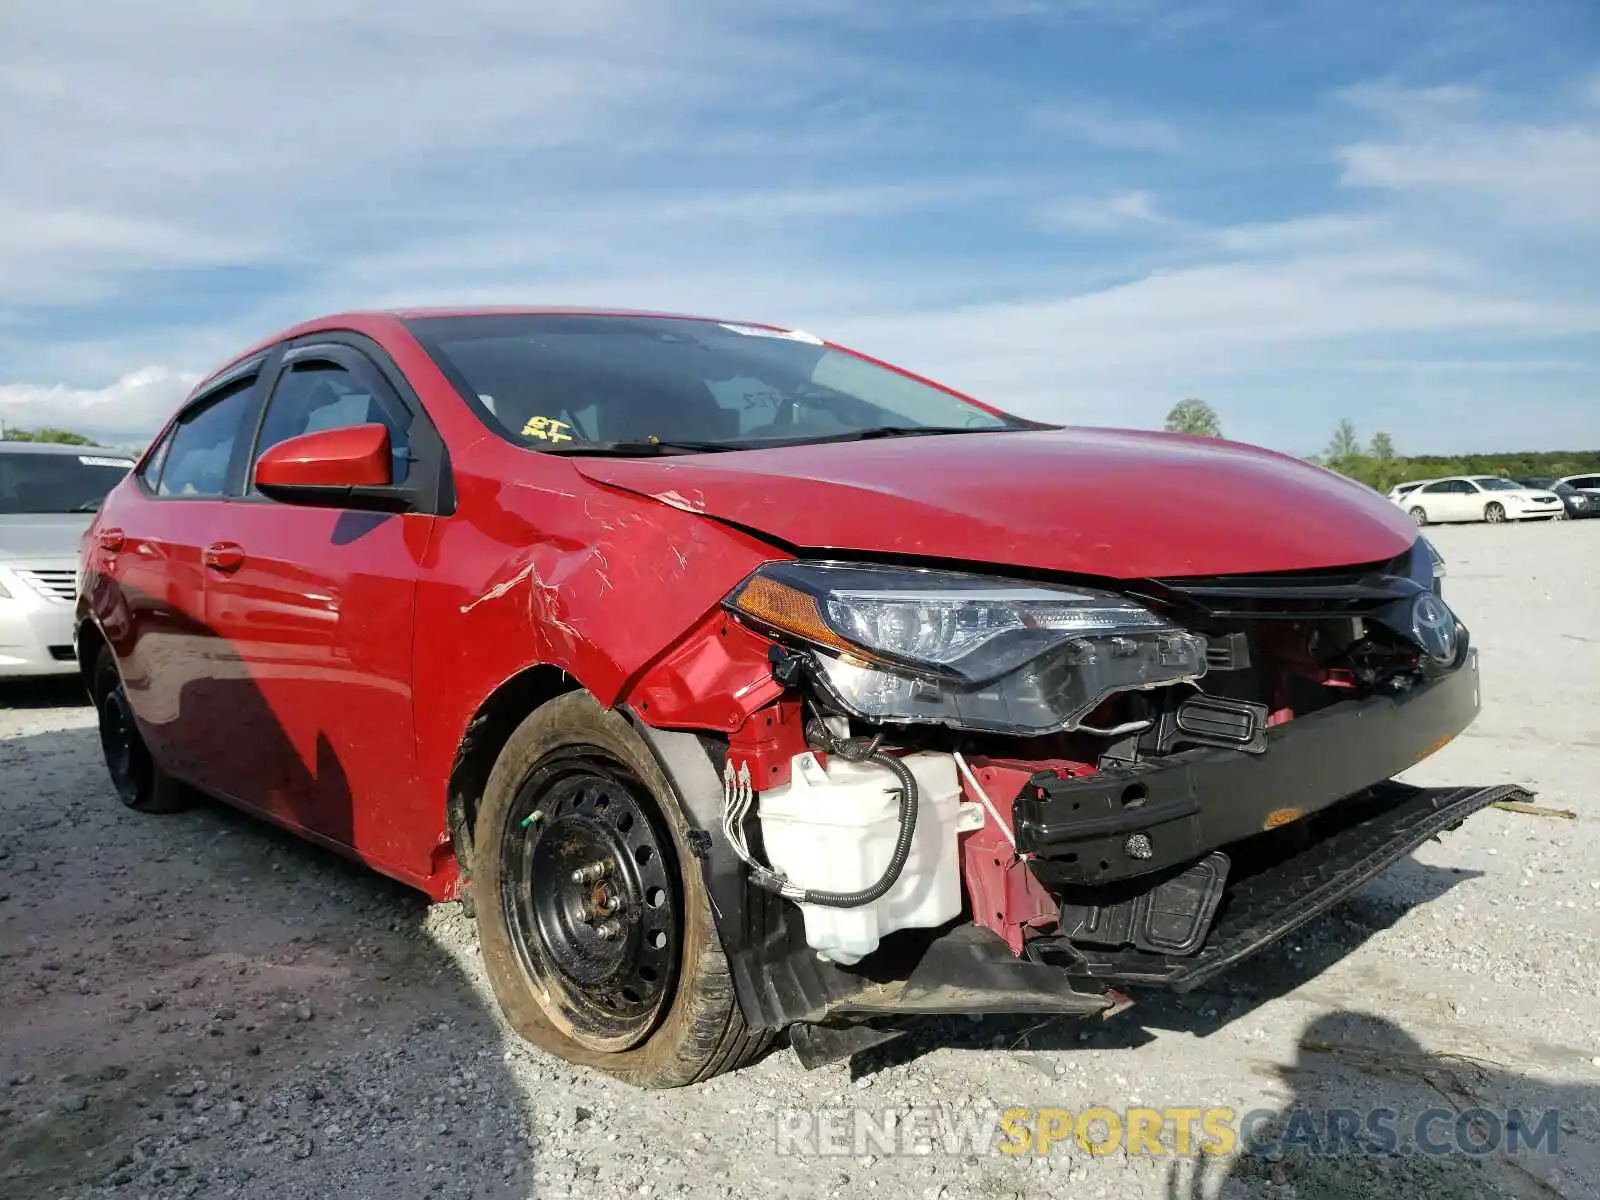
(1171, 918)
(1376, 831)
(965, 969)
(1190, 803)
(970, 969)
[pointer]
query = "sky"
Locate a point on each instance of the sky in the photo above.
(1079, 210)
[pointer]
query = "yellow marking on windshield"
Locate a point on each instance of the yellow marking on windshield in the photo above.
(547, 429)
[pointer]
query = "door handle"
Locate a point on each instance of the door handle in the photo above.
(227, 557)
(110, 540)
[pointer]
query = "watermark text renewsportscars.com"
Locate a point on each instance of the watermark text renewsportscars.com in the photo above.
(1173, 1132)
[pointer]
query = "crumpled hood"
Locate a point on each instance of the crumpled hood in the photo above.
(1113, 503)
(31, 537)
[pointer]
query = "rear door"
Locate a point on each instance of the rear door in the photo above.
(1435, 499)
(316, 605)
(147, 588)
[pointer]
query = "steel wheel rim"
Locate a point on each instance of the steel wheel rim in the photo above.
(119, 739)
(603, 953)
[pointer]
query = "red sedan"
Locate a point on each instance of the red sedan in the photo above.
(739, 682)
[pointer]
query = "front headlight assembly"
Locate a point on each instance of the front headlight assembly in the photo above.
(902, 646)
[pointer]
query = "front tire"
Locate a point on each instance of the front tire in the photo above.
(1495, 514)
(622, 970)
(139, 783)
(1419, 515)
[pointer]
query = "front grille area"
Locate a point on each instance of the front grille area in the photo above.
(1333, 593)
(1299, 641)
(58, 583)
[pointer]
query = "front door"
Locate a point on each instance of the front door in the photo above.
(316, 605)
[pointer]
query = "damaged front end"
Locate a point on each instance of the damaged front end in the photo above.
(949, 793)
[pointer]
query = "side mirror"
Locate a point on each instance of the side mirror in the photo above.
(343, 468)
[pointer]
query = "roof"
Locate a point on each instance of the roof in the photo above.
(553, 310)
(64, 448)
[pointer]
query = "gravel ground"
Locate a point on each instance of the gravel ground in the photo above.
(200, 1006)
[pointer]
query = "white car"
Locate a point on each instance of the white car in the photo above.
(48, 496)
(1478, 498)
(1399, 490)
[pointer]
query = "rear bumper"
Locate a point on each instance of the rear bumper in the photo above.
(1184, 805)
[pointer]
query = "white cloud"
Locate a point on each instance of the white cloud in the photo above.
(1102, 214)
(1208, 318)
(1317, 231)
(1099, 126)
(745, 157)
(1447, 146)
(128, 410)
(288, 123)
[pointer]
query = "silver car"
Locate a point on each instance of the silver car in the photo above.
(48, 495)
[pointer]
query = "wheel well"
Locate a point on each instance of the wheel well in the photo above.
(90, 643)
(485, 736)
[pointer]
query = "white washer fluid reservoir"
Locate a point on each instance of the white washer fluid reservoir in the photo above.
(834, 829)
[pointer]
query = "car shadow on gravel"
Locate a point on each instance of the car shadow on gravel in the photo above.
(203, 1005)
(1372, 1114)
(1274, 972)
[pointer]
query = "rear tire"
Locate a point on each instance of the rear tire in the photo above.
(626, 973)
(139, 783)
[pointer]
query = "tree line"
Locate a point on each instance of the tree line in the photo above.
(1376, 463)
(63, 437)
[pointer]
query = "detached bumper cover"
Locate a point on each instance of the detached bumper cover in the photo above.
(1192, 802)
(1377, 831)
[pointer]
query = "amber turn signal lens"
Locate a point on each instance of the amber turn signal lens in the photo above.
(788, 609)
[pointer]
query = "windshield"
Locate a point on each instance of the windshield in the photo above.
(1496, 485)
(560, 382)
(57, 483)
